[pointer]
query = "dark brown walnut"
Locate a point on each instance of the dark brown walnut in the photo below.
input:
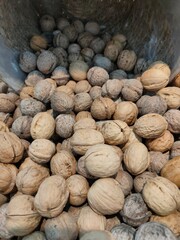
(141, 66)
(82, 102)
(175, 150)
(125, 181)
(64, 125)
(31, 106)
(47, 23)
(172, 116)
(60, 75)
(27, 61)
(85, 39)
(123, 232)
(38, 42)
(157, 161)
(21, 126)
(62, 23)
(97, 76)
(97, 45)
(154, 231)
(132, 89)
(135, 211)
(11, 148)
(4, 233)
(126, 60)
(61, 55)
(46, 62)
(62, 102)
(140, 180)
(79, 26)
(33, 78)
(71, 33)
(6, 104)
(61, 40)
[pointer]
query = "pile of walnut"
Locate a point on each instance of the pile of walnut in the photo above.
(90, 147)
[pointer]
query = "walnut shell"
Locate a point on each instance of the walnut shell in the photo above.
(172, 116)
(85, 39)
(61, 55)
(162, 66)
(161, 195)
(3, 199)
(21, 126)
(78, 70)
(121, 38)
(79, 26)
(33, 78)
(52, 196)
(103, 62)
(111, 51)
(35, 235)
(111, 223)
(171, 95)
(132, 138)
(63, 163)
(102, 108)
(75, 212)
(89, 220)
(6, 104)
(83, 114)
(30, 107)
(46, 62)
(47, 23)
(125, 181)
(151, 125)
(64, 125)
(66, 89)
(27, 163)
(141, 66)
(95, 92)
(22, 217)
(123, 232)
(3, 127)
(71, 33)
(92, 27)
(157, 161)
(82, 86)
(3, 87)
(176, 81)
(81, 169)
(27, 92)
(82, 102)
(141, 179)
(171, 170)
(85, 123)
(112, 88)
(118, 74)
(97, 76)
(126, 60)
(27, 61)
(4, 233)
(60, 75)
(29, 179)
(97, 235)
(62, 23)
(61, 40)
(132, 89)
(11, 148)
(74, 48)
(138, 164)
(62, 102)
(41, 150)
(87, 54)
(38, 42)
(97, 45)
(105, 196)
(175, 150)
(154, 79)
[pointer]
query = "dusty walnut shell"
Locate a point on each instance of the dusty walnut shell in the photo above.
(121, 38)
(112, 88)
(61, 40)
(78, 188)
(66, 89)
(74, 48)
(30, 163)
(172, 116)
(33, 78)
(141, 66)
(111, 51)
(61, 55)
(52, 196)
(73, 57)
(71, 33)
(62, 102)
(92, 27)
(171, 170)
(38, 42)
(83, 139)
(63, 163)
(161, 195)
(35, 235)
(4, 233)
(97, 76)
(171, 95)
(30, 107)
(126, 60)
(75, 212)
(97, 45)
(85, 123)
(64, 125)
(102, 108)
(81, 168)
(3, 87)
(47, 23)
(22, 217)
(123, 232)
(97, 235)
(105, 196)
(141, 179)
(11, 148)
(151, 125)
(132, 138)
(79, 26)
(89, 220)
(132, 89)
(41, 150)
(21, 126)
(125, 181)
(95, 92)
(175, 150)
(157, 161)
(78, 70)
(82, 102)
(82, 86)
(138, 164)
(6, 104)
(46, 62)
(27, 61)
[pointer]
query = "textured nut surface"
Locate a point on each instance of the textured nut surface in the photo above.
(126, 60)
(82, 102)
(111, 51)
(83, 114)
(171, 95)
(111, 222)
(46, 62)
(27, 92)
(64, 125)
(47, 23)
(6, 104)
(105, 196)
(125, 181)
(81, 169)
(162, 66)
(97, 76)
(27, 61)
(78, 70)
(62, 102)
(51, 197)
(97, 45)
(21, 126)
(30, 107)
(157, 161)
(85, 123)
(112, 88)
(175, 150)
(4, 233)
(172, 116)
(33, 78)
(95, 92)
(92, 27)
(71, 33)
(82, 86)
(132, 89)
(35, 235)
(97, 235)
(123, 231)
(61, 40)
(141, 179)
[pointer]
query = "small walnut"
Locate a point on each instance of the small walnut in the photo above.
(4, 233)
(71, 33)
(85, 39)
(83, 114)
(82, 86)
(47, 23)
(111, 223)
(46, 62)
(140, 180)
(125, 181)
(172, 116)
(35, 235)
(63, 163)
(97, 76)
(132, 89)
(87, 54)
(92, 27)
(78, 70)
(161, 195)
(30, 163)
(79, 26)
(126, 60)
(162, 143)
(171, 170)
(141, 66)
(151, 104)
(89, 220)
(62, 23)
(61, 227)
(66, 89)
(33, 78)
(7, 178)
(154, 79)
(95, 92)
(31, 106)
(85, 123)
(162, 66)
(73, 57)
(82, 102)
(176, 81)
(102, 108)
(81, 169)
(62, 102)
(171, 95)
(6, 104)
(175, 150)
(138, 164)
(97, 235)
(41, 150)
(38, 42)
(74, 48)
(123, 232)
(126, 111)
(60, 75)
(97, 45)
(64, 125)
(61, 40)
(112, 88)
(27, 61)
(151, 125)
(52, 196)
(21, 126)
(157, 161)
(61, 55)
(121, 38)
(118, 74)
(75, 212)
(105, 196)
(111, 51)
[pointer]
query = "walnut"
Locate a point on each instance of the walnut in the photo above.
(46, 62)
(132, 89)
(151, 125)
(125, 181)
(79, 26)
(97, 76)
(103, 62)
(47, 23)
(139, 164)
(74, 48)
(102, 108)
(82, 86)
(62, 102)
(44, 89)
(111, 223)
(61, 55)
(95, 92)
(105, 196)
(62, 23)
(111, 51)
(78, 70)
(87, 54)
(112, 88)
(157, 161)
(42, 126)
(27, 92)
(41, 150)
(89, 220)
(141, 179)
(71, 33)
(171, 170)
(31, 106)
(176, 81)
(97, 235)
(162, 66)
(27, 163)
(3, 199)
(6, 104)
(172, 116)
(82, 102)
(66, 89)
(27, 61)
(51, 197)
(161, 195)
(38, 42)
(63, 163)
(60, 75)
(73, 57)
(3, 127)
(83, 139)
(154, 79)
(175, 150)
(75, 212)
(171, 95)
(141, 66)
(162, 143)
(121, 38)
(64, 125)
(118, 74)
(123, 232)
(35, 235)
(126, 60)
(7, 178)
(61, 227)
(22, 217)
(61, 40)
(83, 114)
(85, 39)
(132, 138)
(85, 123)
(151, 104)
(21, 126)
(4, 233)
(81, 169)
(33, 78)
(97, 45)
(92, 27)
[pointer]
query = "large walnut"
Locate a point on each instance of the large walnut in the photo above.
(112, 88)
(171, 95)
(126, 60)
(82, 102)
(85, 123)
(78, 70)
